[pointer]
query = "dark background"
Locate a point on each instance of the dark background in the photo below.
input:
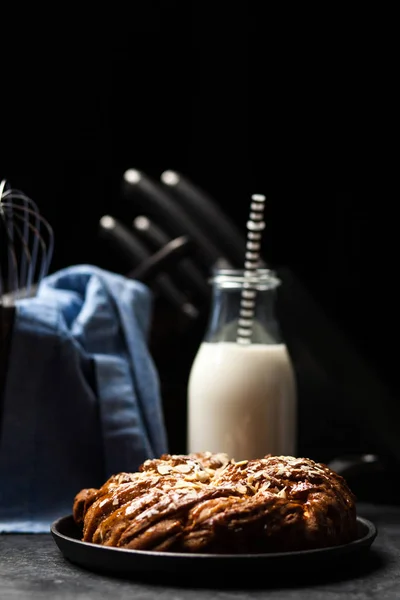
(240, 102)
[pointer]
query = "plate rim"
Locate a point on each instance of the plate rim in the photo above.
(369, 536)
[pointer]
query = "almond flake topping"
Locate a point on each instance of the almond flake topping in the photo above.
(185, 468)
(163, 469)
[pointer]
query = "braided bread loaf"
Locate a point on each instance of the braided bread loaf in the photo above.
(208, 503)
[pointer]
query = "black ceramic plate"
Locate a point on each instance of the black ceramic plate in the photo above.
(197, 569)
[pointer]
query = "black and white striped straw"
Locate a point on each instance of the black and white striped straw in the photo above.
(255, 227)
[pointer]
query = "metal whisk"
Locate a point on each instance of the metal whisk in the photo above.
(26, 245)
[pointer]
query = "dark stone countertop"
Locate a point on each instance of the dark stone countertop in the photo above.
(32, 567)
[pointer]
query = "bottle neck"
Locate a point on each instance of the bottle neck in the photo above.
(224, 316)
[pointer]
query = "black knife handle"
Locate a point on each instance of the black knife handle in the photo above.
(166, 257)
(123, 239)
(206, 211)
(136, 252)
(156, 201)
(151, 232)
(157, 238)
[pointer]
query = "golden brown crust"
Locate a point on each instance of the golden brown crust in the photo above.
(207, 503)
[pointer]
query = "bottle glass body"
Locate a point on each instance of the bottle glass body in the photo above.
(242, 396)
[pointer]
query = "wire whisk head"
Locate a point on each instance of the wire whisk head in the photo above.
(26, 245)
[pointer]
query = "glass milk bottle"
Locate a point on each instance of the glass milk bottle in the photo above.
(242, 397)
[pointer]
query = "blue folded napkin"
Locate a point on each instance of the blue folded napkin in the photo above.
(82, 398)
